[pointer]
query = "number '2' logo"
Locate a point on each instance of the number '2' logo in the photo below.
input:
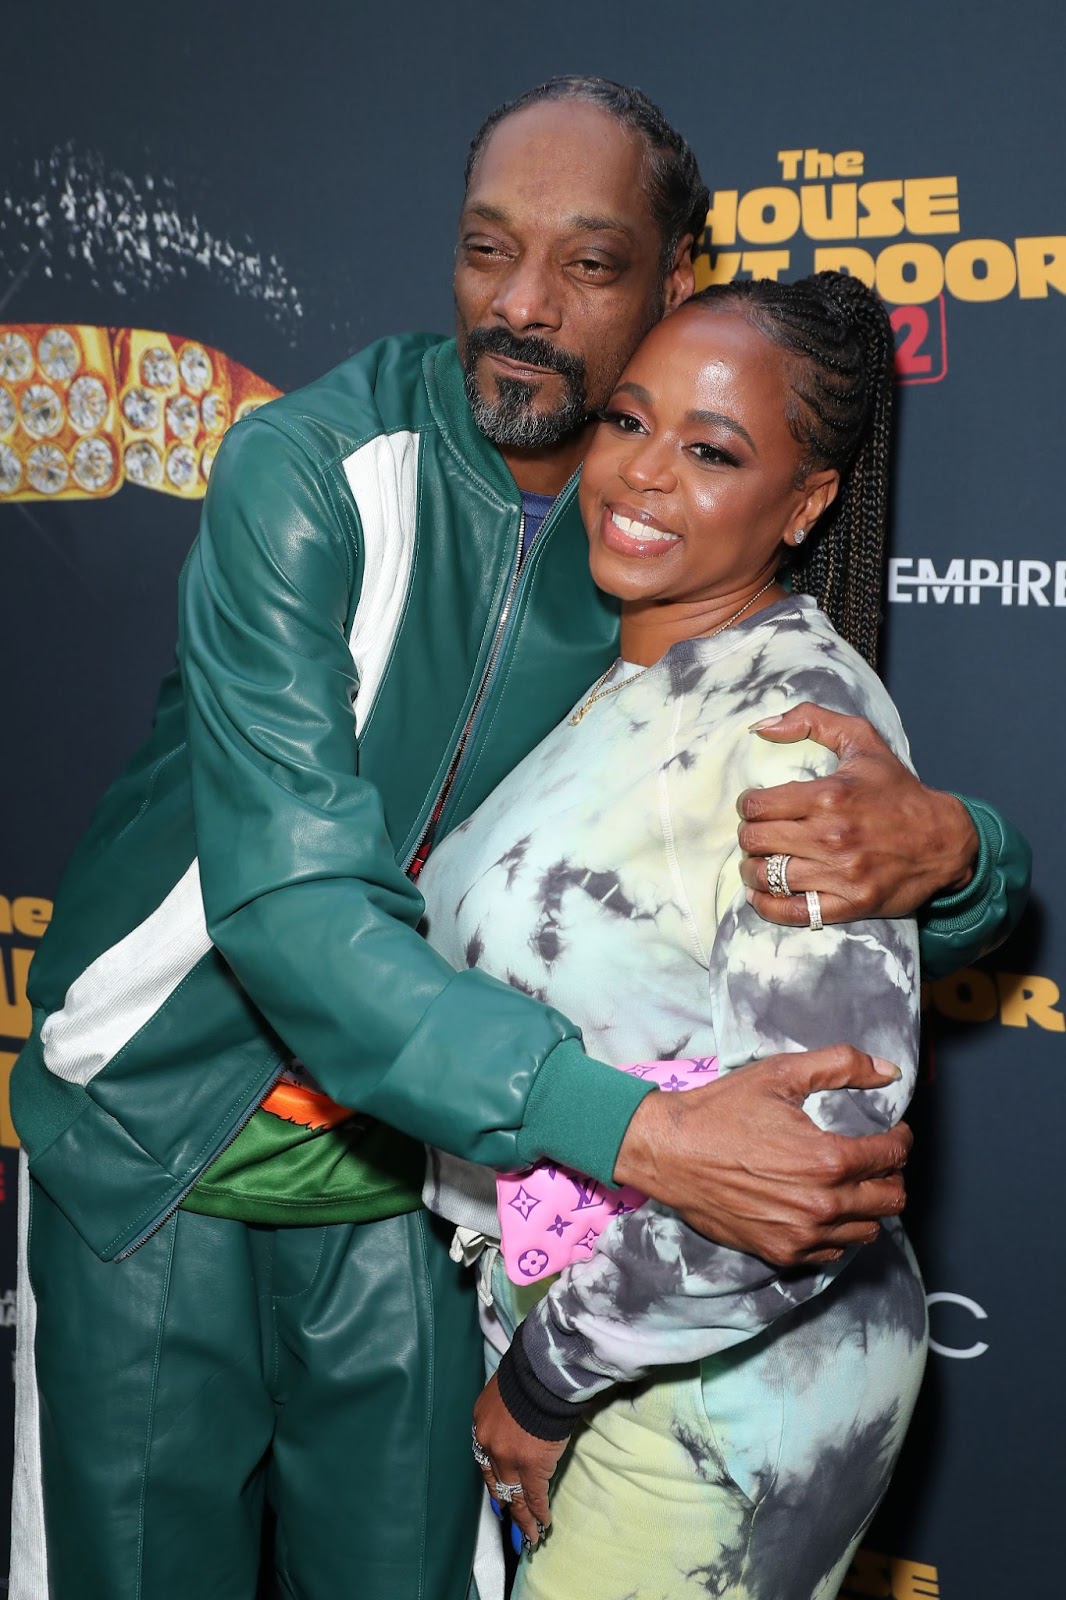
(921, 342)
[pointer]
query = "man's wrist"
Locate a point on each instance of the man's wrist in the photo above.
(961, 843)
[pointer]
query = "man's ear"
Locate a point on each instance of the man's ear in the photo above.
(819, 492)
(681, 279)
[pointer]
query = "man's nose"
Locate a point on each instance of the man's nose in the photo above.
(525, 298)
(648, 465)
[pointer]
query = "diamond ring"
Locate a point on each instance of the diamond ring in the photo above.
(777, 876)
(814, 910)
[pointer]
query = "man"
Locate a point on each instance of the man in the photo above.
(372, 632)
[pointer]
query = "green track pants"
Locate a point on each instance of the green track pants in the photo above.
(330, 1371)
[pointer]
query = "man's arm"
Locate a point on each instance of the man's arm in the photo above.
(874, 841)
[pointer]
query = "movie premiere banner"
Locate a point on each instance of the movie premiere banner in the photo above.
(203, 208)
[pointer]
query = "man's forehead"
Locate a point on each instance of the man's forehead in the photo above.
(571, 161)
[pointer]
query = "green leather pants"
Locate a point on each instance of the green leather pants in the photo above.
(330, 1371)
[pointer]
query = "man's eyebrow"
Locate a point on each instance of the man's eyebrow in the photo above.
(490, 213)
(719, 419)
(586, 224)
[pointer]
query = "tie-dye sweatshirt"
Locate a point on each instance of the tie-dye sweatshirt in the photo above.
(603, 876)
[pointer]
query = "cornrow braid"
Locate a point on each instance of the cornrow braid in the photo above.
(676, 193)
(840, 412)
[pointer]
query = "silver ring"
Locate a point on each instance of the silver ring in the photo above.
(481, 1455)
(506, 1492)
(814, 910)
(777, 876)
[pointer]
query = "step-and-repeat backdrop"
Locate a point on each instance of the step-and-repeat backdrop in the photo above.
(202, 207)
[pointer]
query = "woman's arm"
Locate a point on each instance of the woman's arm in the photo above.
(655, 1292)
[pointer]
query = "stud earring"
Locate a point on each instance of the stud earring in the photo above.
(799, 535)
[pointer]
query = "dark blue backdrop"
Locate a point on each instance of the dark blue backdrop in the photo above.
(281, 185)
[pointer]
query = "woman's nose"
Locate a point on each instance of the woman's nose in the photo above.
(648, 466)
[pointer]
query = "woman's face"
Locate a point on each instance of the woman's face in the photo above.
(689, 489)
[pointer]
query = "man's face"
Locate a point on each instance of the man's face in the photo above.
(558, 271)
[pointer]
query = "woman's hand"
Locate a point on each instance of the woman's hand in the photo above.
(517, 1457)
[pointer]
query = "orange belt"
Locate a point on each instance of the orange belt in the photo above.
(309, 1108)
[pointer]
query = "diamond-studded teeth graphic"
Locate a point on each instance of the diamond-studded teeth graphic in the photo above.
(84, 409)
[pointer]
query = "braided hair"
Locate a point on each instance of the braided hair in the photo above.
(676, 194)
(839, 410)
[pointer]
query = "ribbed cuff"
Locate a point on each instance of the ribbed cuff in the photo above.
(578, 1111)
(532, 1406)
(964, 907)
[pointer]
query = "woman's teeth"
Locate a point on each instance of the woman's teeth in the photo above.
(643, 532)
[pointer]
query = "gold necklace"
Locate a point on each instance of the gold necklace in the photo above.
(599, 692)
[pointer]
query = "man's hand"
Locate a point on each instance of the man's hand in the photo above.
(744, 1164)
(517, 1457)
(871, 839)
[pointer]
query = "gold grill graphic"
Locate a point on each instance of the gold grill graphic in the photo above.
(84, 410)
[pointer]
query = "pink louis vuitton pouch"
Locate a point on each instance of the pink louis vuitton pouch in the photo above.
(552, 1216)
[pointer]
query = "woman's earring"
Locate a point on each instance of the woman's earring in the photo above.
(799, 535)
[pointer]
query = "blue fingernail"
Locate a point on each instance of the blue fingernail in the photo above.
(495, 1504)
(516, 1538)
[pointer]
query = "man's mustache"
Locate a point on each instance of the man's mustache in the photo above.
(530, 351)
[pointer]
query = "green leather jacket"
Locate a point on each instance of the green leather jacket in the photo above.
(352, 624)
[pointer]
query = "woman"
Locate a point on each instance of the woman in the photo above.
(731, 1429)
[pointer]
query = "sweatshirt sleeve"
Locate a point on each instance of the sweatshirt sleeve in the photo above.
(302, 890)
(655, 1292)
(958, 929)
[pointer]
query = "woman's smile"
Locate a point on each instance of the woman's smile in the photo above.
(632, 532)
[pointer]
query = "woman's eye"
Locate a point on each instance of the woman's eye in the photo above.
(713, 455)
(622, 420)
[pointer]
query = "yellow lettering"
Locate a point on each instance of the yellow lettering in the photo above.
(721, 222)
(931, 205)
(15, 1018)
(817, 164)
(765, 263)
(5, 915)
(996, 279)
(884, 217)
(789, 162)
(31, 916)
(8, 1137)
(840, 258)
(967, 996)
(720, 268)
(1041, 262)
(821, 222)
(768, 216)
(1024, 999)
(909, 274)
(849, 164)
(913, 1580)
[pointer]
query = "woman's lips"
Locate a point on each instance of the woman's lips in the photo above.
(637, 536)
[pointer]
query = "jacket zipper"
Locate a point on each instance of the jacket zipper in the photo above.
(420, 854)
(223, 1144)
(416, 860)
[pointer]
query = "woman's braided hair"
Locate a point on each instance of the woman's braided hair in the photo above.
(840, 411)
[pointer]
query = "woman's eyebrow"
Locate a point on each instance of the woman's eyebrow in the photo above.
(718, 418)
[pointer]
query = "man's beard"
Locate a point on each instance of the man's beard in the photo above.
(509, 420)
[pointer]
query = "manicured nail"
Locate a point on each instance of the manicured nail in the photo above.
(749, 895)
(516, 1538)
(887, 1069)
(496, 1508)
(765, 722)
